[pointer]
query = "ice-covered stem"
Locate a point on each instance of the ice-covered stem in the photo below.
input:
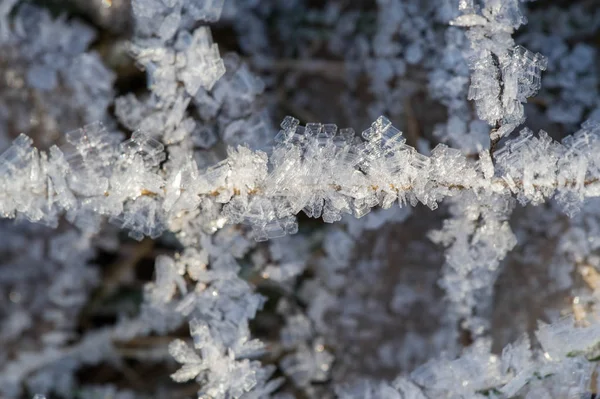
(503, 75)
(313, 169)
(204, 286)
(566, 355)
(477, 237)
(170, 52)
(561, 364)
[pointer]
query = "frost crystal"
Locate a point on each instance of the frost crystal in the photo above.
(227, 376)
(503, 75)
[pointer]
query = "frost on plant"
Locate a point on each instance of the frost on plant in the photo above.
(162, 237)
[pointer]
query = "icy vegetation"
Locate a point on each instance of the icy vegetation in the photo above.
(169, 241)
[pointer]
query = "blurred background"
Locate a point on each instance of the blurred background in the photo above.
(331, 61)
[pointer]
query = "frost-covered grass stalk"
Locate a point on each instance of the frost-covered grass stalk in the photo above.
(204, 174)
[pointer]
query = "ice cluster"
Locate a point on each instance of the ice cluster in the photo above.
(503, 75)
(49, 85)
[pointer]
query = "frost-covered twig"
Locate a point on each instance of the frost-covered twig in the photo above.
(503, 75)
(312, 168)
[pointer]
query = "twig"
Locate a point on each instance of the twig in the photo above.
(330, 68)
(494, 140)
(133, 377)
(335, 69)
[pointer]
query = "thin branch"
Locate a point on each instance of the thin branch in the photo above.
(494, 140)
